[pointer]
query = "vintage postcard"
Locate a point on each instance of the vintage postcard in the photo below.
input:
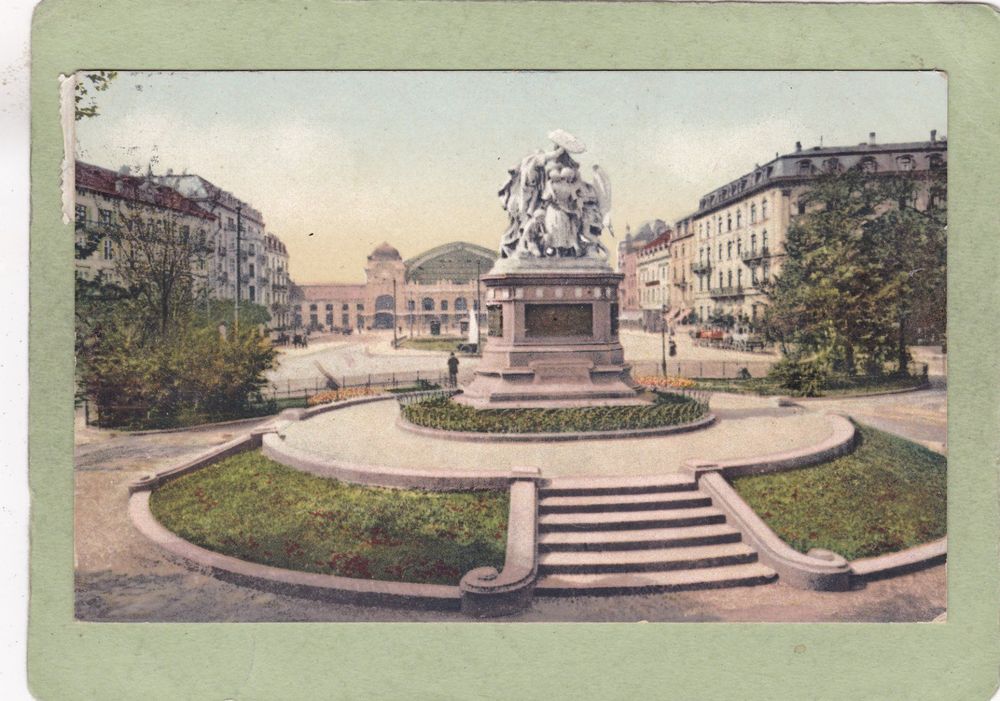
(665, 366)
(498, 346)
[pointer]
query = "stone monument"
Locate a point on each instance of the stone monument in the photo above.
(552, 298)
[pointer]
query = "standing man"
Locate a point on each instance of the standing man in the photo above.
(452, 370)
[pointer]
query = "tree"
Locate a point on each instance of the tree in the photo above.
(860, 265)
(86, 85)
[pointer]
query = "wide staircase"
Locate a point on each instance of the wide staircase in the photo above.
(636, 536)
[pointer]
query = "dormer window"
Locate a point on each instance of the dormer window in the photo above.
(869, 164)
(805, 167)
(905, 163)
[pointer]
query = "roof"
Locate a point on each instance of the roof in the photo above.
(385, 252)
(135, 189)
(199, 189)
(657, 243)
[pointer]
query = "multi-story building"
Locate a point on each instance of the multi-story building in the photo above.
(739, 229)
(432, 293)
(239, 226)
(628, 254)
(682, 278)
(116, 208)
(653, 278)
(276, 281)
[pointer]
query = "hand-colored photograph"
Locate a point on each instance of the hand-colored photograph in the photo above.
(509, 345)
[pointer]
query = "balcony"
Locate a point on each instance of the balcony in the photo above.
(727, 292)
(754, 256)
(701, 267)
(97, 228)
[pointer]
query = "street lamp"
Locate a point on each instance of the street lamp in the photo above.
(663, 338)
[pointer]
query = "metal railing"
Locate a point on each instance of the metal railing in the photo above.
(697, 369)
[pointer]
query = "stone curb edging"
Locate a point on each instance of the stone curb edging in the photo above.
(483, 437)
(194, 427)
(820, 570)
(274, 447)
(860, 395)
(840, 442)
(487, 593)
(248, 441)
(348, 590)
(902, 562)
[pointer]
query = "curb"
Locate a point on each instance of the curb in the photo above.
(903, 562)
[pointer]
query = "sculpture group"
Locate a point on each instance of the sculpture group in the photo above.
(553, 212)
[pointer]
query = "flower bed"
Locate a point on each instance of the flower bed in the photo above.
(665, 381)
(887, 495)
(340, 395)
(444, 414)
(255, 509)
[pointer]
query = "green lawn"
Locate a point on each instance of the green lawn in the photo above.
(837, 386)
(436, 343)
(255, 509)
(889, 494)
(666, 409)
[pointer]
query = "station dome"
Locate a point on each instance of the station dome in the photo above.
(385, 252)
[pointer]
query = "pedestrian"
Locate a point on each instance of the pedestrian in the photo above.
(452, 370)
(673, 348)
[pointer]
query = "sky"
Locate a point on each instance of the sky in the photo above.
(339, 162)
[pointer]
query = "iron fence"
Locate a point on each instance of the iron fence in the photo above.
(697, 369)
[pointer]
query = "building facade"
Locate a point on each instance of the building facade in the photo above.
(429, 294)
(653, 273)
(113, 209)
(739, 229)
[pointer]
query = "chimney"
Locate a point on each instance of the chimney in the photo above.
(871, 138)
(798, 146)
(933, 136)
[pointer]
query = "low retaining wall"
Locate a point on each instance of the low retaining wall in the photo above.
(482, 437)
(910, 560)
(820, 570)
(487, 593)
(360, 592)
(840, 442)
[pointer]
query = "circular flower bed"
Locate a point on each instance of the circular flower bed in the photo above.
(665, 410)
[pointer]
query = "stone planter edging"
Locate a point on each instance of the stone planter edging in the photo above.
(488, 593)
(840, 442)
(902, 562)
(248, 441)
(483, 437)
(822, 570)
(359, 592)
(274, 447)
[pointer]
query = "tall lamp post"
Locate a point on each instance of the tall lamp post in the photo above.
(479, 311)
(663, 338)
(395, 340)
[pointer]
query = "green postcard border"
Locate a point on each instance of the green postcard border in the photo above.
(957, 660)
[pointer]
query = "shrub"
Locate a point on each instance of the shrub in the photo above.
(805, 378)
(443, 413)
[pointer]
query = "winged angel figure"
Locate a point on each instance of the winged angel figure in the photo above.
(553, 212)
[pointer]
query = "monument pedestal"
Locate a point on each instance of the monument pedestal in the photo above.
(552, 337)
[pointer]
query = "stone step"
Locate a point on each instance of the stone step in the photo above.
(625, 520)
(577, 541)
(622, 502)
(652, 560)
(598, 486)
(650, 582)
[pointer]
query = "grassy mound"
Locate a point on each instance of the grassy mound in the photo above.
(667, 409)
(255, 509)
(889, 494)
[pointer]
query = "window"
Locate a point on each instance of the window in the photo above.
(250, 249)
(345, 307)
(428, 304)
(81, 214)
(186, 234)
(461, 304)
(230, 224)
(720, 251)
(753, 276)
(410, 305)
(108, 250)
(805, 167)
(763, 240)
(312, 307)
(904, 162)
(729, 249)
(329, 318)
(739, 277)
(361, 307)
(720, 278)
(104, 216)
(739, 218)
(868, 164)
(832, 165)
(444, 305)
(252, 270)
(739, 247)
(753, 243)
(329, 308)
(729, 278)
(345, 320)
(253, 296)
(729, 222)
(802, 207)
(935, 161)
(763, 209)
(753, 214)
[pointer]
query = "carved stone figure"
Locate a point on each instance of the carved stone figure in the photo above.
(553, 212)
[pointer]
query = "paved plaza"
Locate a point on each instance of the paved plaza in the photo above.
(121, 576)
(747, 426)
